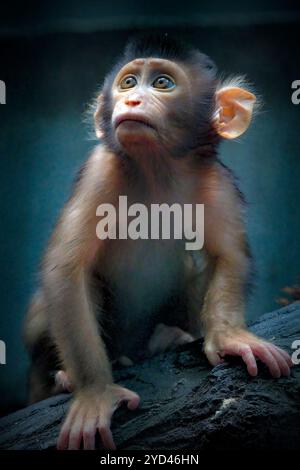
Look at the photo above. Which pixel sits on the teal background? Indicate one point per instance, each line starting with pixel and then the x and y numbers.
pixel 54 55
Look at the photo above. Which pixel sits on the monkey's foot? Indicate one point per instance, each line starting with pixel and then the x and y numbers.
pixel 167 337
pixel 123 361
pixel 62 382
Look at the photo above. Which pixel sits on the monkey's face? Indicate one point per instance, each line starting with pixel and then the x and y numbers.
pixel 152 106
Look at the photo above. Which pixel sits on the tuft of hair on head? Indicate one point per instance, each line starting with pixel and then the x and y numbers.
pixel 163 46
pixel 241 81
pixel 158 45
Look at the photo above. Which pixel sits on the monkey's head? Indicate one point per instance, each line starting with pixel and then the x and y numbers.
pixel 164 96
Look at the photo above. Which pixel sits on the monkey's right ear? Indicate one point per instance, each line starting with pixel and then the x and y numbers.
pixel 234 111
pixel 97 114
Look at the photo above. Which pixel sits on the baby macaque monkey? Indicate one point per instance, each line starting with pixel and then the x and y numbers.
pixel 160 116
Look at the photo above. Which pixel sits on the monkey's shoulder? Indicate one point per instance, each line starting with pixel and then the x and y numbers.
pixel 100 165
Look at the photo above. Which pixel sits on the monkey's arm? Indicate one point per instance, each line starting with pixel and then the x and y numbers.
pixel 223 317
pixel 73 325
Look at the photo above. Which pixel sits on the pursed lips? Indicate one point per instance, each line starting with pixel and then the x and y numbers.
pixel 133 118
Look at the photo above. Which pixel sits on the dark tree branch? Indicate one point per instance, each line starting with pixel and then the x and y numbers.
pixel 186 405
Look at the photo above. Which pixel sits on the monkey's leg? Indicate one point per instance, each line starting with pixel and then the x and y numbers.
pixel 39 388
pixel 42 377
pixel 124 361
pixel 44 359
pixel 167 337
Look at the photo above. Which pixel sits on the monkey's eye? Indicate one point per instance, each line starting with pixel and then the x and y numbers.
pixel 128 82
pixel 163 82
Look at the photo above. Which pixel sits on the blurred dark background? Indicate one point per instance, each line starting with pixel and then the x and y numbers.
pixel 54 55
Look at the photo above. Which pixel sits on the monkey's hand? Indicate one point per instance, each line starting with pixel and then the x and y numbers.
pixel 240 342
pixel 90 412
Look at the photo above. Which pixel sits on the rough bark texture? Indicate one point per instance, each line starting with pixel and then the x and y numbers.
pixel 186 405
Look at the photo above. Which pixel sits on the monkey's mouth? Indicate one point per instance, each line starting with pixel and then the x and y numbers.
pixel 133 118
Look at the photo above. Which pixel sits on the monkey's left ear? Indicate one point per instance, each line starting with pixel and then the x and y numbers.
pixel 234 111
pixel 97 114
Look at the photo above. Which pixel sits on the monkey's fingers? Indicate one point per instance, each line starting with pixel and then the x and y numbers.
pixel 277 360
pixel 104 424
pixel 123 395
pixel 63 439
pixel 282 362
pixel 116 396
pixel 285 355
pixel 75 435
pixel 89 433
pixel 245 351
pixel 132 399
pixel 213 356
pixel 80 427
pixel 262 352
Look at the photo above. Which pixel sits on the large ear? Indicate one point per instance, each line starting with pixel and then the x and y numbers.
pixel 97 115
pixel 234 111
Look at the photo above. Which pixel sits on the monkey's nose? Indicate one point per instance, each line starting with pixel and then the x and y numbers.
pixel 133 101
